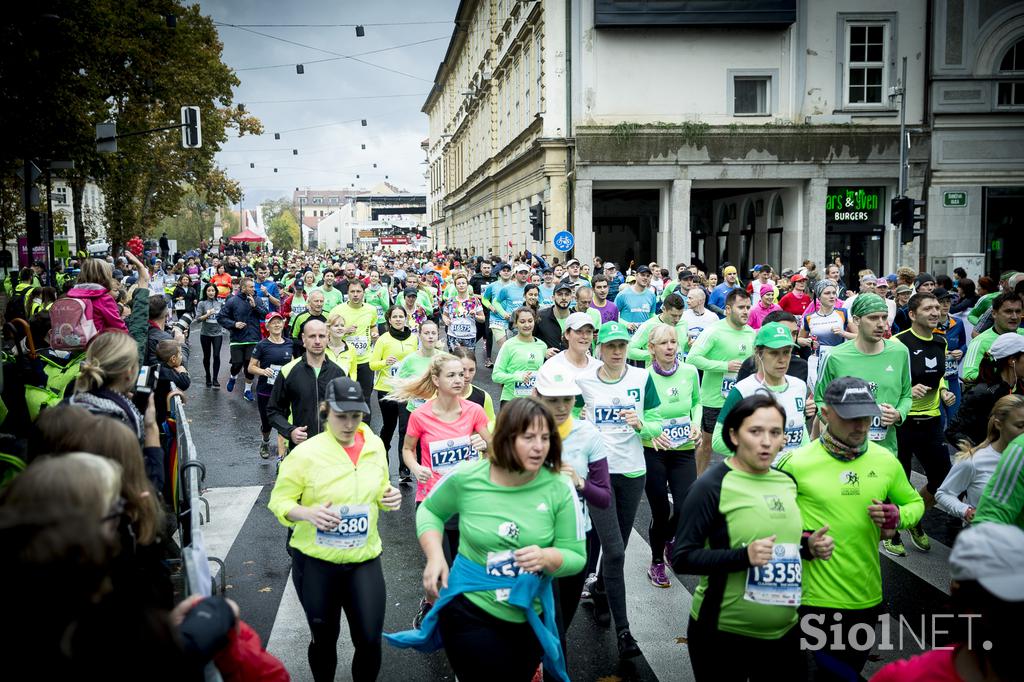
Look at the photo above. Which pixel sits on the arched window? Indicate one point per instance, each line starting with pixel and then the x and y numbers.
pixel 747 239
pixel 723 235
pixel 1011 93
pixel 775 224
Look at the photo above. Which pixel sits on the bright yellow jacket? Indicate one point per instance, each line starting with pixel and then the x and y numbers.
pixel 385 347
pixel 319 471
pixel 364 319
pixel 346 360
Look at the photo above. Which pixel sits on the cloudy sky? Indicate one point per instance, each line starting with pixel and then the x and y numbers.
pixel 327 102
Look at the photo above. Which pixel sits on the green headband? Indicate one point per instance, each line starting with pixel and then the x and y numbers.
pixel 867 304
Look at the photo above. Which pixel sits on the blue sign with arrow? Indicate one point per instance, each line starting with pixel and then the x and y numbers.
pixel 564 241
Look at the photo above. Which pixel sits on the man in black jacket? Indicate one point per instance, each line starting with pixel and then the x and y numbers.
pixel 550 325
pixel 480 279
pixel 300 387
pixel 241 316
pixel 157 331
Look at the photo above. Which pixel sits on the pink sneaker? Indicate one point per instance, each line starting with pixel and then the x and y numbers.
pixel 657 575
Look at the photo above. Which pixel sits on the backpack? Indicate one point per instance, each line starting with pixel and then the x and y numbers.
pixel 72 324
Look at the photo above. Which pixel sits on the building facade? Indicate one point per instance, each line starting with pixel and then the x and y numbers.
pixel 763 134
pixel 498 122
pixel 92 212
pixel 976 191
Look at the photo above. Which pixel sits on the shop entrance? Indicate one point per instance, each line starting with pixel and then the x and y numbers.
pixel 626 225
pixel 859 246
pixel 1004 207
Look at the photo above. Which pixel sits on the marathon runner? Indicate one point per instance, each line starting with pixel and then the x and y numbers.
pixel 669 456
pixel 885 362
pixel 1006 317
pixel 461 314
pixel 497 319
pixel 622 402
pixel 241 316
pixel 637 302
pixel 823 327
pixel 743 533
pixel 921 432
pixel 378 296
pixel 772 353
pixel 269 356
pixel 472 393
pixel 672 315
pixel 719 352
pixel 360 333
pixel 314 311
pixel 519 358
pixel 330 491
pixel 390 349
pixel 842 480
pixel 484 634
pixel 697 317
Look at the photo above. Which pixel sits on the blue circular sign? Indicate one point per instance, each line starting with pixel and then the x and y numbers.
pixel 564 241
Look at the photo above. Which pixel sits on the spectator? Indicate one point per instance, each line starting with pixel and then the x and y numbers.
pixel 968 297
pixel 158 313
pixel 172 375
pixel 766 304
pixel 1001 373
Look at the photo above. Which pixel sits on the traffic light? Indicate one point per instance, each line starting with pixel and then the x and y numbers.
pixel 907 212
pixel 191 128
pixel 537 222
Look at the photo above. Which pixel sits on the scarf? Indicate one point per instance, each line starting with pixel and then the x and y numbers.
pixel 839 449
pixel 665 372
pixel 399 335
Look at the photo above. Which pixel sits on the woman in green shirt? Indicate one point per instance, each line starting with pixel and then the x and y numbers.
pixel 670 456
pixel 519 358
pixel 742 532
pixel 486 630
pixel 377 295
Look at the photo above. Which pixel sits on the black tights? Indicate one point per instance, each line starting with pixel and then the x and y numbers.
pixel 391 415
pixel 482 647
pixel 211 347
pixel 673 470
pixel 325 589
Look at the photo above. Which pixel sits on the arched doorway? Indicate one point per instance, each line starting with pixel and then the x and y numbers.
pixel 747 239
pixel 775 222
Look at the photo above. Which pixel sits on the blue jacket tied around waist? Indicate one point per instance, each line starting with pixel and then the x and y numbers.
pixel 466 576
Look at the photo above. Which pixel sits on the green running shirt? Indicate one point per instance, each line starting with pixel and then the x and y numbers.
pixel 711 353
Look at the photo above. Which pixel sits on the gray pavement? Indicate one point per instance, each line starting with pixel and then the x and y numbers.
pixel 252 543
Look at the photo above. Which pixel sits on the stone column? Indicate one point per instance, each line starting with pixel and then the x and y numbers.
pixel 678 241
pixel 583 226
pixel 815 195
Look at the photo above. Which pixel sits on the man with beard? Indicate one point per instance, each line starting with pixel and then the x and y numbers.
pixel 550 327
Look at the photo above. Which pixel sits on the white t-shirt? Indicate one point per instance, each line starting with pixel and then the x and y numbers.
pixel 967 475
pixel 561 362
pixel 695 323
pixel 604 401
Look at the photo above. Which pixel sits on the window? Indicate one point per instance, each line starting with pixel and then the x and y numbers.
pixel 747 239
pixel 1011 93
pixel 517 122
pixel 538 62
pixel 866 44
pixel 723 235
pixel 751 96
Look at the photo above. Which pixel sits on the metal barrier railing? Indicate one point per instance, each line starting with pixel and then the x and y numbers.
pixel 191 473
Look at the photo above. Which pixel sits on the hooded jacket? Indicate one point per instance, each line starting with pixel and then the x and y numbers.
pixel 238 309
pixel 105 312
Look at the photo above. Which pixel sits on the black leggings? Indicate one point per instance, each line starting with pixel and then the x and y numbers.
pixel 211 348
pixel 240 356
pixel 717 655
pixel 835 660
pixel 261 405
pixel 391 415
pixel 364 375
pixel 673 470
pixel 482 647
pixel 567 599
pixel 922 436
pixel 325 589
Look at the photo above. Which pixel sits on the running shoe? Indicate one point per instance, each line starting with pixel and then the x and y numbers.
pixel 231 385
pixel 216 384
pixel 425 607
pixel 265 449
pixel 894 547
pixel 667 554
pixel 656 574
pixel 920 538
pixel 247 395
pixel 628 648
pixel 588 588
pixel 209 382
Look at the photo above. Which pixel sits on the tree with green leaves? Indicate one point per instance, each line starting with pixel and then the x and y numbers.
pixel 283 230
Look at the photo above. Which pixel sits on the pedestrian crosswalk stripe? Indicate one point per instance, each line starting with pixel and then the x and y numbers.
pixel 229 508
pixel 289 640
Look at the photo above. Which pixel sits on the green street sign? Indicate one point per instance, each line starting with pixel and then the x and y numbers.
pixel 954 199
pixel 61 249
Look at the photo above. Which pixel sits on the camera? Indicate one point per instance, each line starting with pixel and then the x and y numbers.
pixel 183 323
pixel 145 385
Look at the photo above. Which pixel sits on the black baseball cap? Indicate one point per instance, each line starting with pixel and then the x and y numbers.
pixel 685 274
pixel 345 395
pixel 411 291
pixel 851 398
pixel 642 269
pixel 563 285
pixel 940 293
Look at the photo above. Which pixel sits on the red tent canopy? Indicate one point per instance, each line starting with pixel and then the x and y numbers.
pixel 247 236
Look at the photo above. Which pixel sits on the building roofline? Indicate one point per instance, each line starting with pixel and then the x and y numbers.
pixel 462 14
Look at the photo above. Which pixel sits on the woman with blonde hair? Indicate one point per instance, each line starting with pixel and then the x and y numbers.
pixel 337 350
pixel 450 430
pixel 974 465
pixel 106 382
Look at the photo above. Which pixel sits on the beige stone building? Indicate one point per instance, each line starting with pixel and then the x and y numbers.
pixel 497 114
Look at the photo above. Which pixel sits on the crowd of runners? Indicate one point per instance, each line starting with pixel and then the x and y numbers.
pixel 771 419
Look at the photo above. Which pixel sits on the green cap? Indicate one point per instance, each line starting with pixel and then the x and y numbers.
pixel 774 335
pixel 613 331
pixel 865 304
pixel 1007 275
